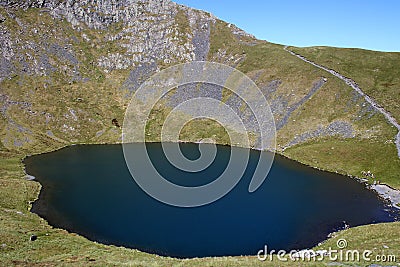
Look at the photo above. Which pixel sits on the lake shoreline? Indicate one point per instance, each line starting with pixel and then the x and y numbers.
pixel 389 195
pixel 384 191
pixel 117 147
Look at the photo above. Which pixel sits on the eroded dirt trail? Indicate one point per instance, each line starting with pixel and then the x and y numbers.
pixel 357 88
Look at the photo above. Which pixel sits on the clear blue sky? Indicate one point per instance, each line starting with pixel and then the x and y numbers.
pixel 368 24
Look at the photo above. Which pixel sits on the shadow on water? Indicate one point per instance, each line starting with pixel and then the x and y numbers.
pixel 88 190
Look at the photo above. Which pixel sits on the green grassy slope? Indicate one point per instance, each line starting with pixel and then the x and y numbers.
pixel 377 73
pixel 82 110
pixel 372 147
pixel 27 129
pixel 58 247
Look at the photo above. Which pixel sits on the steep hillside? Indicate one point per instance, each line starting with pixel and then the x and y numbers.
pixel 376 72
pixel 69 68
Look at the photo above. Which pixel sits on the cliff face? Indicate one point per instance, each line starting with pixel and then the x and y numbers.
pixel 136 32
pixel 76 43
pixel 50 48
pixel 68 69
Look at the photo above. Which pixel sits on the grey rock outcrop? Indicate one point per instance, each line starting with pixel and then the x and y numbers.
pixel 58 45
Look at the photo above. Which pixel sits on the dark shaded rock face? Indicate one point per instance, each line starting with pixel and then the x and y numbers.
pixel 115 123
pixel 33 238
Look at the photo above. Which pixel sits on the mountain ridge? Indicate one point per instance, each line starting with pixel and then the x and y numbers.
pixel 51 49
pixel 69 68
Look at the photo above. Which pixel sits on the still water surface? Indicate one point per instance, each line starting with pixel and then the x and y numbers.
pixel 88 190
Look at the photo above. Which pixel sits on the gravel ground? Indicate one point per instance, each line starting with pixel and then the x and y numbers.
pixel 138 75
pixel 193 90
pixel 339 128
pixel 388 193
pixel 282 122
pixel 201 40
pixel 270 88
